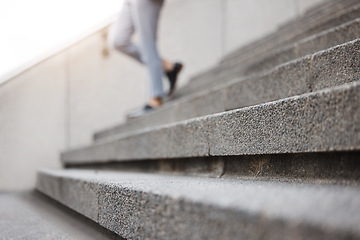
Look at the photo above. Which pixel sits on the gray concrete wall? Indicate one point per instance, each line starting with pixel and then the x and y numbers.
pixel 32 122
pixel 58 103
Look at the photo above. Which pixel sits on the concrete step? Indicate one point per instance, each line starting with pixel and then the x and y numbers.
pixel 294 33
pixel 147 206
pixel 335 66
pixel 326 120
pixel 31 215
pixel 256 51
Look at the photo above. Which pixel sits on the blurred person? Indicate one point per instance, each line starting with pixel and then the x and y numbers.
pixel 142 16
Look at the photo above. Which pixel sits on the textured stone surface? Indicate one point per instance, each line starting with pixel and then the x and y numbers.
pixel 284 81
pixel 31 215
pixel 169 207
pixel 188 139
pixel 207 102
pixel 323 121
pixel 320 168
pixel 338 167
pixel 327 120
pixel 270 59
pixel 79 196
pixel 336 66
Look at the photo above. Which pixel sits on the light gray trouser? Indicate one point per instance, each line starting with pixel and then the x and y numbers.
pixel 141 16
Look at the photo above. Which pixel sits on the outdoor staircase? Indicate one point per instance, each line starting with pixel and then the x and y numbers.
pixel 265 145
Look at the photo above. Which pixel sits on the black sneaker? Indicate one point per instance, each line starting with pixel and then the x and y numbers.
pixel 140 112
pixel 172 76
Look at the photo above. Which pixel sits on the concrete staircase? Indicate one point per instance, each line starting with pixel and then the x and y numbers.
pixel 265 145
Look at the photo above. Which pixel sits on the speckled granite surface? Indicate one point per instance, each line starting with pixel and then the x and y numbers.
pixel 148 206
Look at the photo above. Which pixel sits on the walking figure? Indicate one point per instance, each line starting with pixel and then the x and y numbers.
pixel 142 16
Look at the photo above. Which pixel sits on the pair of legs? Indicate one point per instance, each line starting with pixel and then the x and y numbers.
pixel 142 16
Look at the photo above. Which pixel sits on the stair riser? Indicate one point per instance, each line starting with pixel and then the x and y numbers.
pixel 326 69
pixel 315 168
pixel 187 140
pixel 193 221
pixel 320 122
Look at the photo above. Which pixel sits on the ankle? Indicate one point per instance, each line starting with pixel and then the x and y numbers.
pixel 167 66
pixel 156 102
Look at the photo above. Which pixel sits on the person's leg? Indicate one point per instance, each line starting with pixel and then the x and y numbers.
pixel 120 35
pixel 146 15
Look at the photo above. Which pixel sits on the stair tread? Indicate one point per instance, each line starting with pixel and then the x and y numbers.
pixel 328 207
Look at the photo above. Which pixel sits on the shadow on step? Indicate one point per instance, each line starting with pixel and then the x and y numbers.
pixel 320 168
pixel 30 214
pixel 88 228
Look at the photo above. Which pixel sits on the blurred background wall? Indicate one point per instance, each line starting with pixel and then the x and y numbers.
pixel 59 102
